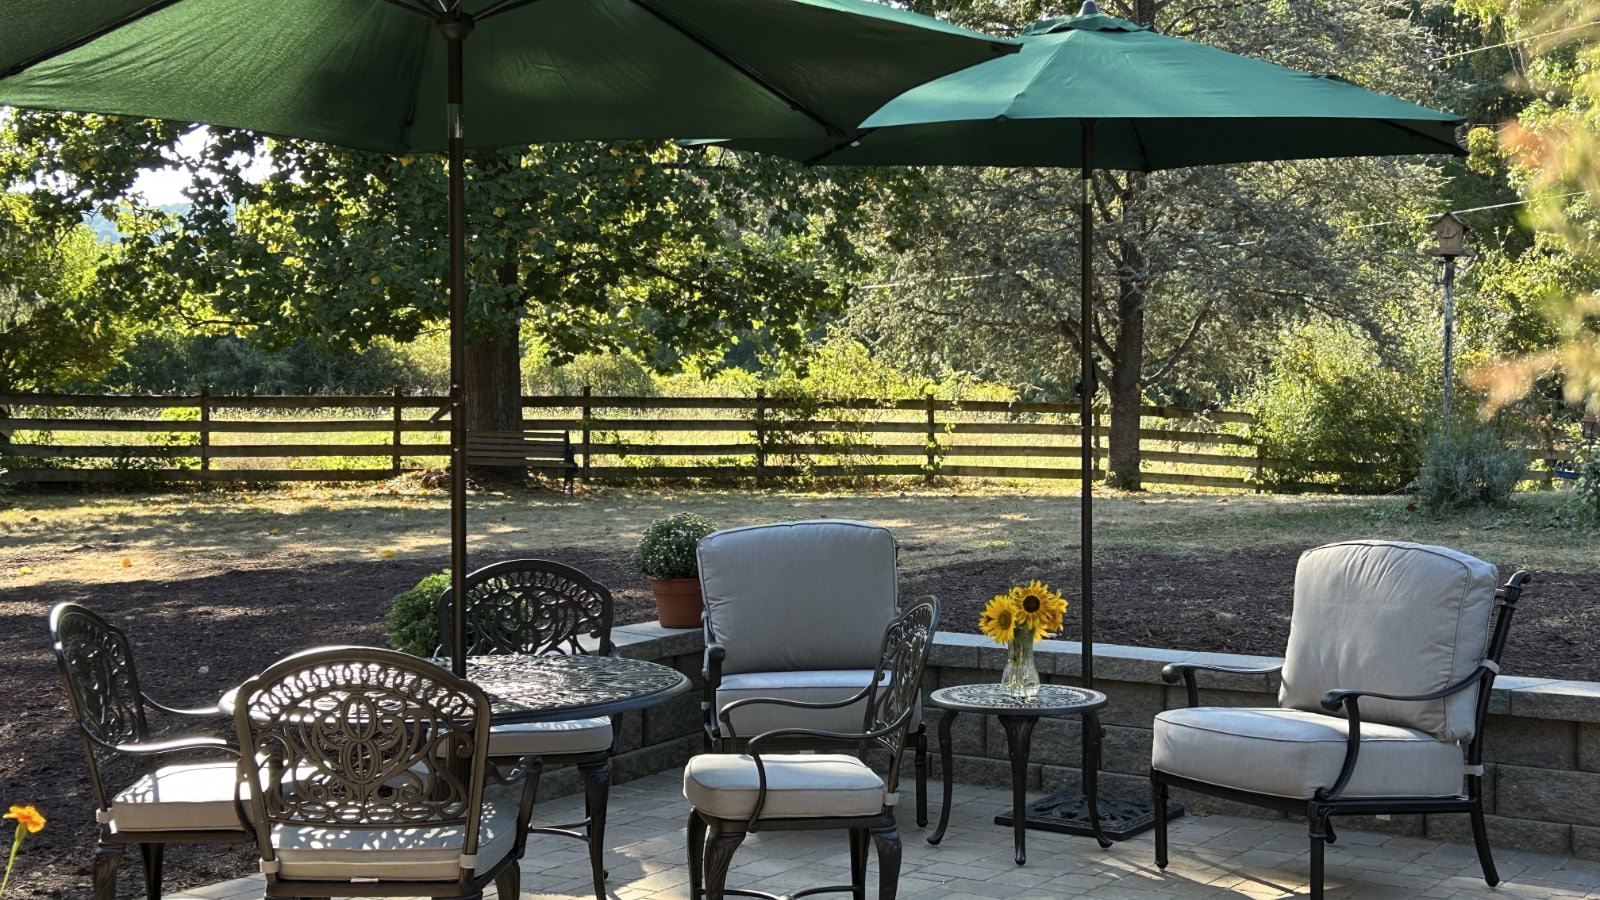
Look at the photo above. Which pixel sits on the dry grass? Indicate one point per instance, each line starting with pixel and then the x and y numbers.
pixel 180 535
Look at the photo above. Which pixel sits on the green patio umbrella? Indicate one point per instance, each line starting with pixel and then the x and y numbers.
pixel 1094 90
pixel 391 76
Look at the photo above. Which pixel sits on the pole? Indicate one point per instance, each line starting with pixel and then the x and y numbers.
pixel 1449 333
pixel 1086 395
pixel 455 29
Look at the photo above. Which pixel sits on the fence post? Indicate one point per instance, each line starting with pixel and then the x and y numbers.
pixel 761 437
pixel 588 410
pixel 399 416
pixel 205 428
pixel 933 437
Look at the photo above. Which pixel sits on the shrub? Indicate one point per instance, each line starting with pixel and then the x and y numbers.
pixel 667 549
pixel 1468 464
pixel 1585 500
pixel 414 615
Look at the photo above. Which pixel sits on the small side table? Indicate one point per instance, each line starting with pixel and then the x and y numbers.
pixel 1018 717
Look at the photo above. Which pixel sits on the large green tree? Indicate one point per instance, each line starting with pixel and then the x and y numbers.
pixel 667 253
pixel 1196 268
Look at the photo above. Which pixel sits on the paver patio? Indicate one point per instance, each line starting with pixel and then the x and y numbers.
pixel 1212 856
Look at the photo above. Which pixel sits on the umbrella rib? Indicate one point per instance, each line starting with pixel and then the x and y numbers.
pixel 741 68
pixel 417 8
pixel 837 147
pixel 89 38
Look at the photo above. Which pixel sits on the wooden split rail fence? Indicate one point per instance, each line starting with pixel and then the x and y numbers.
pixel 206 437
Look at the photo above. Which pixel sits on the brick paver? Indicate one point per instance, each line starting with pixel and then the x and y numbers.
pixel 1212 856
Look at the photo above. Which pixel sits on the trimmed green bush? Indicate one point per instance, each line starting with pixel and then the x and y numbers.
pixel 414 615
pixel 1585 501
pixel 1468 465
pixel 667 549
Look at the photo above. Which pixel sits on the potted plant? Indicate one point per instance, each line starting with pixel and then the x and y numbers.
pixel 666 556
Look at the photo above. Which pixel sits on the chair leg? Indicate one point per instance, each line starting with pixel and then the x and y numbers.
pixel 508 884
pixel 858 863
pixel 888 843
pixel 719 859
pixel 1319 839
pixel 151 854
pixel 922 776
pixel 1158 789
pixel 1480 839
pixel 596 791
pixel 106 859
pixel 696 833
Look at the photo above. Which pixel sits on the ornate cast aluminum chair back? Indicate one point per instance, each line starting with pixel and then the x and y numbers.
pixel 897 681
pixel 531 606
pixel 360 737
pixel 96 663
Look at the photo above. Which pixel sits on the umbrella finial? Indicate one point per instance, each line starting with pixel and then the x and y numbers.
pixel 1089 8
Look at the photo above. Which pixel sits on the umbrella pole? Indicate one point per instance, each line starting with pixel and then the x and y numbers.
pixel 1086 391
pixel 455 30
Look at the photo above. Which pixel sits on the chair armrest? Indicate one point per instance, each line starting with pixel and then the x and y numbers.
pixel 723 714
pixel 1339 698
pixel 172 745
pixel 199 712
pixel 753 749
pixel 1172 672
pixel 711 672
pixel 712 667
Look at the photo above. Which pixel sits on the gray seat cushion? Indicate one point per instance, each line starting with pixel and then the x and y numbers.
pixel 776 595
pixel 194 797
pixel 399 854
pixel 1292 753
pixel 551 738
pixel 807 686
pixel 799 786
pixel 1390 617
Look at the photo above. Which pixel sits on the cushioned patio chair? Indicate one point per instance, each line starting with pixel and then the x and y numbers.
pixel 760 790
pixel 193 802
pixel 372 779
pixel 534 606
pixel 1385 685
pixel 794 611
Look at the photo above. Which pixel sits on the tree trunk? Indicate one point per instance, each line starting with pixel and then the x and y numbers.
pixel 1127 370
pixel 494 376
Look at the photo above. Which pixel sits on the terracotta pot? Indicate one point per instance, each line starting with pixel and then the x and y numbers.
pixel 678 603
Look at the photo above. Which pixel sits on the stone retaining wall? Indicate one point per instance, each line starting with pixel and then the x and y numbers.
pixel 1542 753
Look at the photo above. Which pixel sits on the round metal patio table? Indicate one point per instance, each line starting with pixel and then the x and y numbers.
pixel 1018 716
pixel 553 688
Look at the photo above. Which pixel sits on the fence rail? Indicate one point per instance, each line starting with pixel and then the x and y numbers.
pixel 198 438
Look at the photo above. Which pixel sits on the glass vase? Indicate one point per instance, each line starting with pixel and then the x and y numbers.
pixel 1021 677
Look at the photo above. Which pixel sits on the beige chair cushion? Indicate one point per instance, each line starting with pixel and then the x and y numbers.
pixel 799 786
pixel 195 797
pixel 398 854
pixel 1291 753
pixel 1390 617
pixel 777 595
pixel 806 686
pixel 551 738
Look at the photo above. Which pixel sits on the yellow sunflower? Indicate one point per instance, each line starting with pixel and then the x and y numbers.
pixel 1039 608
pixel 999 619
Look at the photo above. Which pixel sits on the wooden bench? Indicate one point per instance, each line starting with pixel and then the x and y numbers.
pixel 523 450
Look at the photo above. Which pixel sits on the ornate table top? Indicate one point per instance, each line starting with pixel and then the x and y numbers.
pixel 1053 700
pixel 557 688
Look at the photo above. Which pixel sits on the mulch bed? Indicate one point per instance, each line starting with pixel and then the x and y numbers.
pixel 193 637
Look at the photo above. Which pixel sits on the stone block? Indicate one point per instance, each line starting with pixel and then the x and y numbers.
pixel 950 676
pixel 1505 834
pixel 1540 743
pixel 673 641
pixel 1589 747
pixel 676 718
pixel 557 782
pixel 1234 681
pixel 1586 842
pixel 1126 750
pixel 653 758
pixel 629 728
pixel 1547 795
pixel 983 771
pixel 1134 705
pixel 1108 784
pixel 956 650
pixel 1504 685
pixel 1115 662
pixel 1577 701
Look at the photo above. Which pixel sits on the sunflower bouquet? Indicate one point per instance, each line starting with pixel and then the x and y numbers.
pixel 1015 620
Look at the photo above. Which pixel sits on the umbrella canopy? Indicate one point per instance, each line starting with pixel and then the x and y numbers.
pixel 1095 90
pixel 394 75
pixel 1157 102
pixel 373 74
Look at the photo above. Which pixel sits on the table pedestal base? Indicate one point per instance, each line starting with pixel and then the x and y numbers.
pixel 1068 813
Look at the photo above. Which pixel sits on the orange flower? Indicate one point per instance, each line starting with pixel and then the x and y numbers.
pixel 26 817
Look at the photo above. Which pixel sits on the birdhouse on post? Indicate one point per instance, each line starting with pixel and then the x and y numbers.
pixel 1450 235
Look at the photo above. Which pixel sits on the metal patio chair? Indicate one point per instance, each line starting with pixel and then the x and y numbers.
pixel 1385 685
pixel 194 802
pixel 538 607
pixel 793 610
pixel 372 779
pixel 738 794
